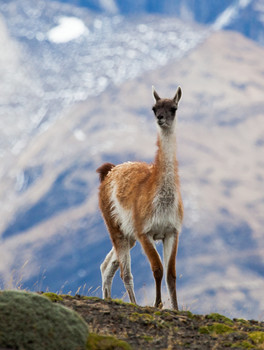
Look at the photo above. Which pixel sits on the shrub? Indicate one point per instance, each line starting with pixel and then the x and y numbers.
pixel 29 321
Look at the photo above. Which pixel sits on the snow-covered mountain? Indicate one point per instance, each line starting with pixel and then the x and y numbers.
pixel 71 99
pixel 244 16
pixel 67 54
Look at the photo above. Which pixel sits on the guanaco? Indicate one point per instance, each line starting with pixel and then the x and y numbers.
pixel 141 201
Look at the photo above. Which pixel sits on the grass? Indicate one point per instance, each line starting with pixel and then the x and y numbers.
pixel 220 318
pixel 53 296
pixel 147 338
pixel 216 329
pixel 244 345
pixel 257 337
pixel 102 342
pixel 144 317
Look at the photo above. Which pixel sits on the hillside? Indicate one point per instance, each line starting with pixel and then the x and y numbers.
pixel 150 328
pixel 41 321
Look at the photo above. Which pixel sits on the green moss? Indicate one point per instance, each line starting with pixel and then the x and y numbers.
pixel 220 318
pixel 241 320
pixel 204 330
pixel 257 337
pixel 168 316
pixel 216 328
pixel 53 297
pixel 135 316
pixel 190 315
pixel 244 345
pixel 90 298
pixel 149 319
pixel 119 301
pixel 157 313
pixel 32 322
pixel 100 342
pixel 67 296
pixel 147 338
pixel 132 304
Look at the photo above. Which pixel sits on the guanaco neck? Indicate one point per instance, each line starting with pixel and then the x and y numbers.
pixel 165 162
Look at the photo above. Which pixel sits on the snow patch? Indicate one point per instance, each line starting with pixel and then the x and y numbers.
pixel 244 3
pixel 79 135
pixel 69 28
pixel 230 13
pixel 109 6
pixel 225 18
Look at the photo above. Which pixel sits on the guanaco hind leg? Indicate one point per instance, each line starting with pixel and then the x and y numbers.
pixel 119 256
pixel 123 247
pixel 108 270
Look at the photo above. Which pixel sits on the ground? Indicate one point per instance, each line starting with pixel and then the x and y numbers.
pixel 151 328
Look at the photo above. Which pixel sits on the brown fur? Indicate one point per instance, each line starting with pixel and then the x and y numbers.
pixel 127 196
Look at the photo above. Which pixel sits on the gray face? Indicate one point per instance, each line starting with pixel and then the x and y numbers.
pixel 165 111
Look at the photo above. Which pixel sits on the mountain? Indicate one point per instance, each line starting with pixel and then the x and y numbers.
pixel 48 32
pixel 95 106
pixel 244 16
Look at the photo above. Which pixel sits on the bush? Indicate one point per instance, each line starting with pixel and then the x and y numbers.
pixel 29 321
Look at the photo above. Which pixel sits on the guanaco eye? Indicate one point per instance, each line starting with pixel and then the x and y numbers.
pixel 173 109
pixel 154 109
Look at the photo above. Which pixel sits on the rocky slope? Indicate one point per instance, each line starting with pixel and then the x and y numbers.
pixel 150 328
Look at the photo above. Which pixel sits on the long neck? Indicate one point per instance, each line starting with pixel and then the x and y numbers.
pixel 165 162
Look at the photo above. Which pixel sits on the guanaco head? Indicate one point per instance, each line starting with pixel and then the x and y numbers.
pixel 165 109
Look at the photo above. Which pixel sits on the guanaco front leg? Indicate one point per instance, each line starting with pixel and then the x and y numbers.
pixel 170 246
pixel 155 263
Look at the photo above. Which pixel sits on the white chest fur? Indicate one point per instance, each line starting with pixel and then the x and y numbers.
pixel 164 219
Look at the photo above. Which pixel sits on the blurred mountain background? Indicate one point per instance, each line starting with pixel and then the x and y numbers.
pixel 75 91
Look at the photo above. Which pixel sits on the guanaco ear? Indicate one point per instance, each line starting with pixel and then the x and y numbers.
pixel 178 95
pixel 155 95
